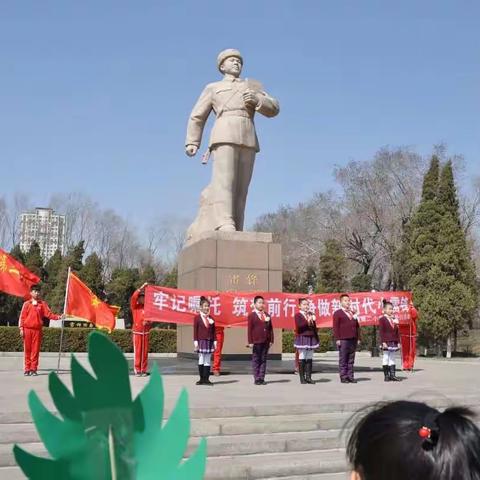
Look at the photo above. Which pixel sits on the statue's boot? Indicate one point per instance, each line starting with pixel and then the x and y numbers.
pixel 227 228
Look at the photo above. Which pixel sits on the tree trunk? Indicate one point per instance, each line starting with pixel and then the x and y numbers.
pixel 455 339
pixel 449 346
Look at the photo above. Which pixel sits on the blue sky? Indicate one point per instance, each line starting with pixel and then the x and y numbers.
pixel 95 95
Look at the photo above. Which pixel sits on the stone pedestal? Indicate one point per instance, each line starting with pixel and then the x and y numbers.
pixel 230 261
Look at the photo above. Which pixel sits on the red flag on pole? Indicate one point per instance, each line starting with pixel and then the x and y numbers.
pixel 15 278
pixel 81 302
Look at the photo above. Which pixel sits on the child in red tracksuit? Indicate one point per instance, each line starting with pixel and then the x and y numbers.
pixel 31 324
pixel 140 332
pixel 217 354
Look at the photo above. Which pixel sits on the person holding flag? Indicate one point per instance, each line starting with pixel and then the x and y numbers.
pixel 140 332
pixel 30 323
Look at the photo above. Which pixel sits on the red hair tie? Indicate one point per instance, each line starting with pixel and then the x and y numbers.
pixel 425 432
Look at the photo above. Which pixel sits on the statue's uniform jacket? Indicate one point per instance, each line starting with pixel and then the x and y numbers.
pixel 234 124
pixel 234 143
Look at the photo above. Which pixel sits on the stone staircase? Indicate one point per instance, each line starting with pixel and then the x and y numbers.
pixel 287 442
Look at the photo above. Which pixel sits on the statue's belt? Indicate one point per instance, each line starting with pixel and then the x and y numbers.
pixel 237 113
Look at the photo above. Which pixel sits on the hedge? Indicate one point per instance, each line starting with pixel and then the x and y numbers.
pixel 161 340
pixel 75 340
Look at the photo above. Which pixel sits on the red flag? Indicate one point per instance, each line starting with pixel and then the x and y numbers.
pixel 15 278
pixel 83 303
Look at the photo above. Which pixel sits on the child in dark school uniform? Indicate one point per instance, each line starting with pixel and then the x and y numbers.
pixel 260 339
pixel 306 340
pixel 204 340
pixel 389 338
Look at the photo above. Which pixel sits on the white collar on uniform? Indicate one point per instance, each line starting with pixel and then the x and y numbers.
pixel 207 317
pixel 259 314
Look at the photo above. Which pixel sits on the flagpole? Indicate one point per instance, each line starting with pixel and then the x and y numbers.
pixel 410 340
pixel 64 310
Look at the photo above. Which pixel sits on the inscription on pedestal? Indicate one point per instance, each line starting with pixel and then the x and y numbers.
pixel 233 261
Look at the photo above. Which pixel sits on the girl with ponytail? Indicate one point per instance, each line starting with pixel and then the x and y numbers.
pixel 406 440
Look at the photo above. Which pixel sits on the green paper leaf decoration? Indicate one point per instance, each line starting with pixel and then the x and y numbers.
pixel 39 468
pixel 194 467
pixel 101 434
pixel 64 401
pixel 69 436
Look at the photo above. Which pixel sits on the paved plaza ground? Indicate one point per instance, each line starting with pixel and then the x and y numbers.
pixel 447 378
pixel 439 381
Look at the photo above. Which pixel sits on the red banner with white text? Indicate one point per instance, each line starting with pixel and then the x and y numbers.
pixel 230 309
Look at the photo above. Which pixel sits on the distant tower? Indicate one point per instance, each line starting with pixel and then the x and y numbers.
pixel 46 228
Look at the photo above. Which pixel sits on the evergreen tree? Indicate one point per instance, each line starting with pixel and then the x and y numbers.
pixel 362 282
pixel 92 274
pixel 422 260
pixel 289 282
pixel 73 259
pixel 170 279
pixel 123 283
pixel 440 270
pixel 458 270
pixel 17 253
pixel 34 260
pixel 52 267
pixel 332 275
pixel 447 192
pixel 308 281
pixel 400 260
pixel 148 275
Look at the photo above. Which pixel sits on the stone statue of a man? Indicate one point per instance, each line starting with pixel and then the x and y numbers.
pixel 233 143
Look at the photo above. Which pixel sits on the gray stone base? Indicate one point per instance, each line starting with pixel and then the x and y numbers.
pixel 232 262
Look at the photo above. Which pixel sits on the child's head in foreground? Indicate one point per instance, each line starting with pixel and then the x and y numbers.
pixel 411 441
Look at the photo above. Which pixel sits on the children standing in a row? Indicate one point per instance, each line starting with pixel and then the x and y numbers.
pixel 306 340
pixel 260 339
pixel 204 340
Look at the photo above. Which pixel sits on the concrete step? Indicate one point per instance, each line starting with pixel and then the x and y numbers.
pixel 274 410
pixel 320 476
pixel 11 473
pixel 26 432
pixel 228 445
pixel 238 445
pixel 282 465
pixel 14 473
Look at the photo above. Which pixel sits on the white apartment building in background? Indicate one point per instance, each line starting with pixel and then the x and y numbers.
pixel 46 228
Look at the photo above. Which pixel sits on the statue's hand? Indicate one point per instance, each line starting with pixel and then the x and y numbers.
pixel 251 98
pixel 191 150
